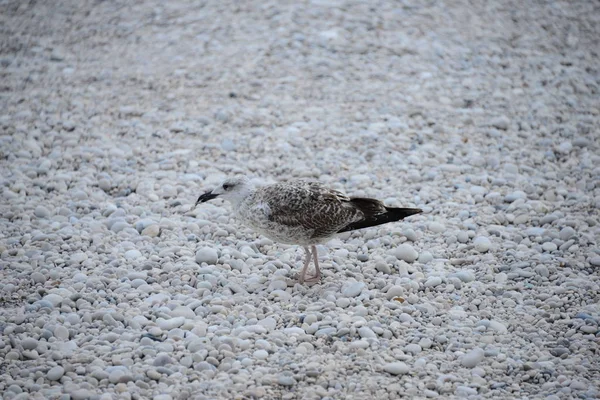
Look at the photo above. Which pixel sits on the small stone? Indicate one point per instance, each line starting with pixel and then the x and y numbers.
pixel 29 343
pixel 366 333
pixel 473 357
pixel 54 299
pixel 394 291
pixel 183 311
pixel 482 244
pixel 462 237
pixel 286 380
pixel 498 326
pixel 268 323
pixel 133 254
pixel 353 289
pixel 465 276
pixel 566 233
pixel 412 348
pixel 38 277
pixel 118 226
pixel 433 281
pixel 406 252
pixel 261 354
pixel 410 234
pixel 82 394
pixel 514 196
pixel 207 255
pixel 436 227
pixel 542 270
pixel 104 184
pixel 559 351
pixel 564 147
pixel 595 261
pixel 55 373
pixel 502 122
pixel 62 333
pixel 549 247
pixel 425 257
pixel 383 267
pixel 171 323
pixel 162 359
pixel 396 368
pixel 151 231
pixel 42 212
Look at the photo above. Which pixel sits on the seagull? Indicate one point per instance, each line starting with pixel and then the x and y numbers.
pixel 302 213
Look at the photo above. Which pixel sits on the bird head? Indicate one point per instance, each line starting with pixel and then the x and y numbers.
pixel 234 189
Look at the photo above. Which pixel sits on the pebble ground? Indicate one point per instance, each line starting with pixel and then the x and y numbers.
pixel 116 115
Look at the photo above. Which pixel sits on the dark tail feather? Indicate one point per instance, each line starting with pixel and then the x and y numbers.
pixel 377 214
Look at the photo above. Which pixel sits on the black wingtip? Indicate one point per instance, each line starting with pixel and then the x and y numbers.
pixel 391 214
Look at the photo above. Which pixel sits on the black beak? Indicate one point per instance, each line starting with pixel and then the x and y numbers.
pixel 206 197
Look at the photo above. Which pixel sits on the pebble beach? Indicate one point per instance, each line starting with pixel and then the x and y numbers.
pixel 116 115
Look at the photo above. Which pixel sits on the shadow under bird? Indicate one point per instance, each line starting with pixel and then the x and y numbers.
pixel 302 213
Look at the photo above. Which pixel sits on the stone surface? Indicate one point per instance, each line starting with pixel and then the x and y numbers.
pixel 116 116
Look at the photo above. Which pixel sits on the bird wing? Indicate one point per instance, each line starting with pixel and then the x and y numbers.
pixel 310 206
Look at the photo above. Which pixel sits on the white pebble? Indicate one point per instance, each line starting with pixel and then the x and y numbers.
pixel 549 247
pixel 433 281
pixel 151 231
pixel 53 298
pixel 394 291
pixel 55 373
pixel 133 254
pixel 396 368
pixel 171 323
pixel 482 244
pixel 42 212
pixel 436 227
pixel 183 311
pixel 207 255
pixel 261 354
pixel 366 333
pixel 518 194
pixel 567 233
pixel 406 252
pixel 473 357
pixel 412 348
pixel 353 289
pixel 498 326
pixel 62 333
pixel 462 237
pixel 425 257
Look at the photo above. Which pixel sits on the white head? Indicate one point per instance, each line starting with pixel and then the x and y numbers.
pixel 234 189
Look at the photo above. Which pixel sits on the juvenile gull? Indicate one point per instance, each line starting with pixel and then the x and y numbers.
pixel 302 213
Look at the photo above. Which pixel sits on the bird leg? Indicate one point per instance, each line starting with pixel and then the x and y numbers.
pixel 317 276
pixel 305 268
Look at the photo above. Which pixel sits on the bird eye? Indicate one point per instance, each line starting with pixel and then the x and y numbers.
pixel 226 186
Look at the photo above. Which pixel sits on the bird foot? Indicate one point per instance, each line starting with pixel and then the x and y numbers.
pixel 313 279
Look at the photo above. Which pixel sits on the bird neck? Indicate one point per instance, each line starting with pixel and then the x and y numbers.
pixel 242 197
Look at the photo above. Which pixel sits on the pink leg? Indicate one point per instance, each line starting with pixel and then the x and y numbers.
pixel 317 276
pixel 305 268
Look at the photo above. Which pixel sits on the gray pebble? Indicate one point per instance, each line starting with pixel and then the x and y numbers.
pixel 55 373
pixel 595 261
pixel 473 357
pixel 207 255
pixel 406 253
pixel 286 380
pixel 353 289
pixel 42 212
pixel 482 244
pixel 396 368
pixel 502 122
